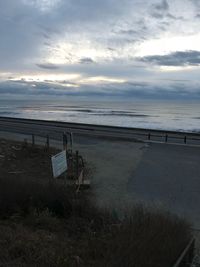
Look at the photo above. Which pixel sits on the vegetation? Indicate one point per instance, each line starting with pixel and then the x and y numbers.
pixel 48 224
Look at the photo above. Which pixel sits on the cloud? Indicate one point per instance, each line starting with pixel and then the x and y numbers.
pixel 48 66
pixel 162 6
pixel 172 17
pixel 129 32
pixel 186 58
pixel 129 89
pixel 86 60
pixel 160 10
pixel 32 31
pixel 196 3
pixel 93 38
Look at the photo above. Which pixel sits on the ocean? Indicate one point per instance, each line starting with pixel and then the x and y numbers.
pixel 167 115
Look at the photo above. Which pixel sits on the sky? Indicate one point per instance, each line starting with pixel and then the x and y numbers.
pixel 111 48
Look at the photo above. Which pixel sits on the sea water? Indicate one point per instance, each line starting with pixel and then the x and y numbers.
pixel 157 114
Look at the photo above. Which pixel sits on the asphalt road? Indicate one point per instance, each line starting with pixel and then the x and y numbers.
pixel 169 176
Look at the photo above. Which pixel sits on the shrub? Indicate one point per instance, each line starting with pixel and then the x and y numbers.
pixel 22 196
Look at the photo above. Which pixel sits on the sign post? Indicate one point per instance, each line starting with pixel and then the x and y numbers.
pixel 65 141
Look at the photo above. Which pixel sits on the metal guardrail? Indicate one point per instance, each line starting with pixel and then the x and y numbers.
pixel 186 257
pixel 55 127
pixel 65 138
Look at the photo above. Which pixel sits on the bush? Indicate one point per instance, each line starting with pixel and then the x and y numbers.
pixel 22 196
pixel 144 238
pixel 80 234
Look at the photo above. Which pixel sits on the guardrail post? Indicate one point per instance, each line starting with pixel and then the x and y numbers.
pixel 47 141
pixel 166 138
pixel 77 164
pixel 71 140
pixel 65 141
pixel 25 142
pixel 33 139
pixel 185 139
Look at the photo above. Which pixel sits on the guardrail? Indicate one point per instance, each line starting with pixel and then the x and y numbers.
pixel 56 128
pixel 34 139
pixel 65 139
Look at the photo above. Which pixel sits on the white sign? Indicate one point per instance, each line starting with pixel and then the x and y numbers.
pixel 59 163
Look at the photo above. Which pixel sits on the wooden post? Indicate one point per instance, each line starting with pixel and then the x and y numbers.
pixel 185 139
pixel 77 164
pixel 47 141
pixel 25 142
pixel 149 136
pixel 33 139
pixel 166 138
pixel 64 141
pixel 71 140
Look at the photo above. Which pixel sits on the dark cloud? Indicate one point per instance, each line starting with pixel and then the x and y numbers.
pixel 129 32
pixel 186 58
pixel 86 60
pixel 196 3
pixel 46 36
pixel 157 15
pixel 172 17
pixel 144 90
pixel 162 6
pixel 48 66
pixel 160 10
pixel 111 49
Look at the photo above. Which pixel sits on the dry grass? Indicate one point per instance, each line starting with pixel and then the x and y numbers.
pixel 45 225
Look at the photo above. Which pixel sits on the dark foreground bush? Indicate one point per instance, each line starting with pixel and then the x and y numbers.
pixel 49 225
pixel 23 196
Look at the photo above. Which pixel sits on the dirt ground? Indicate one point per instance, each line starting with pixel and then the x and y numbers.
pixel 112 163
pixel 20 160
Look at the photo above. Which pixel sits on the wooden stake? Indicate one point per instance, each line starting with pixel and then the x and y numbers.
pixel 33 139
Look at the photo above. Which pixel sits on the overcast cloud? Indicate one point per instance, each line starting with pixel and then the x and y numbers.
pixel 146 49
